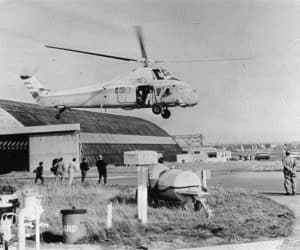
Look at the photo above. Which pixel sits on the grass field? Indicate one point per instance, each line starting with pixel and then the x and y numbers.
pixel 239 216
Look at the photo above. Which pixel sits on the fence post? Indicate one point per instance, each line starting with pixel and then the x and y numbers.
pixel 21 229
pixel 37 227
pixel 203 180
pixel 142 194
pixel 109 215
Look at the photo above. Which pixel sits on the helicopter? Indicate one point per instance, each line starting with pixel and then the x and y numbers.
pixel 147 87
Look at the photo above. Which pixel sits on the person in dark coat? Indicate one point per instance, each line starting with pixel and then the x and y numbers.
pixel 53 169
pixel 102 171
pixel 60 171
pixel 39 173
pixel 84 167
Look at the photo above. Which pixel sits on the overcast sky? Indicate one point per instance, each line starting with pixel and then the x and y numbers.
pixel 241 101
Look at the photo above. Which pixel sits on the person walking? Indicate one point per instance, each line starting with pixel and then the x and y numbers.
pixel 84 167
pixel 289 172
pixel 102 171
pixel 71 170
pixel 53 169
pixel 60 169
pixel 39 173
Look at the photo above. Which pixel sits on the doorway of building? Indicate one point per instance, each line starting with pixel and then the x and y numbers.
pixel 14 153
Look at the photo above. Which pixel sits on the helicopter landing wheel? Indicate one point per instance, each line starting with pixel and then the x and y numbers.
pixel 156 109
pixel 60 111
pixel 166 114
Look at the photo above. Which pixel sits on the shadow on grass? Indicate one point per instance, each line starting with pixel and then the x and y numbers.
pixel 130 199
pixel 274 194
pixel 123 199
pixel 50 237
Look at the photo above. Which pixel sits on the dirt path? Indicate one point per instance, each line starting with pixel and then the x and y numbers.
pixel 293 202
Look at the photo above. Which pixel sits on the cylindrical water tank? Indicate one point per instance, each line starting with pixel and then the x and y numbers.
pixel 172 184
pixel 32 201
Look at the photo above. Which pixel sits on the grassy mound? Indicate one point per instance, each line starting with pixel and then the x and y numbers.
pixel 239 216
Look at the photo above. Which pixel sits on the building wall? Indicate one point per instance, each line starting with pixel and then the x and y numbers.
pixel 46 147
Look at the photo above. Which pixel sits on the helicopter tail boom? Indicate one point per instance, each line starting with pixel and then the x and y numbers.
pixel 34 87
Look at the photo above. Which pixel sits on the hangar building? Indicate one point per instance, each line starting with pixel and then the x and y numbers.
pixel 30 133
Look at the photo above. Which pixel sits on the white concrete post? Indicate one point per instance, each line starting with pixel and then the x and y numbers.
pixel 21 229
pixel 203 180
pixel 109 215
pixel 37 227
pixel 142 194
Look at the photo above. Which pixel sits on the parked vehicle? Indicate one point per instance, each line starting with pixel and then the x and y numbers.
pixel 262 156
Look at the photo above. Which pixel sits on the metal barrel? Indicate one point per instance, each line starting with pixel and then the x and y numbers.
pixel 74 226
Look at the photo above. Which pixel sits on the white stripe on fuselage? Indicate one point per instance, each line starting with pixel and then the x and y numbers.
pixel 114 84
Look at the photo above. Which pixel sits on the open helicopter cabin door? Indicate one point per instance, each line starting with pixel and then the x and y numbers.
pixel 126 95
pixel 142 92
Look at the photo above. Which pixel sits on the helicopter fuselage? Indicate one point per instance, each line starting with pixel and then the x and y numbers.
pixel 141 88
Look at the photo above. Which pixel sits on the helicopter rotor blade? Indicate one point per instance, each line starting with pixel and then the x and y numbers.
pixel 139 34
pixel 207 60
pixel 93 54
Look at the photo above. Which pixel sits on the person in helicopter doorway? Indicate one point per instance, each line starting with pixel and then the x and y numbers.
pixel 149 98
pixel 289 172
pixel 139 97
pixel 154 175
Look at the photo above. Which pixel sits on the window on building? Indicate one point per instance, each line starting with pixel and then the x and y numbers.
pixel 212 154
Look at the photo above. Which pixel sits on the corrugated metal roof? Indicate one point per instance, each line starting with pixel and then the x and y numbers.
pixel 93 122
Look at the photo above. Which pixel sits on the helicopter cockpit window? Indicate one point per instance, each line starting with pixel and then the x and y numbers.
pixel 165 72
pixel 158 74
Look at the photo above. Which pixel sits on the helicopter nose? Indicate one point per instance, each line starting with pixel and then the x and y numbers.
pixel 188 97
pixel 195 96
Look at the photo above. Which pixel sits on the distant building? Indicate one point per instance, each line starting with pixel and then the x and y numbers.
pixel 206 154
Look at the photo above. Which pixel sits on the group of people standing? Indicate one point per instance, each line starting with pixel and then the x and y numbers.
pixel 59 170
